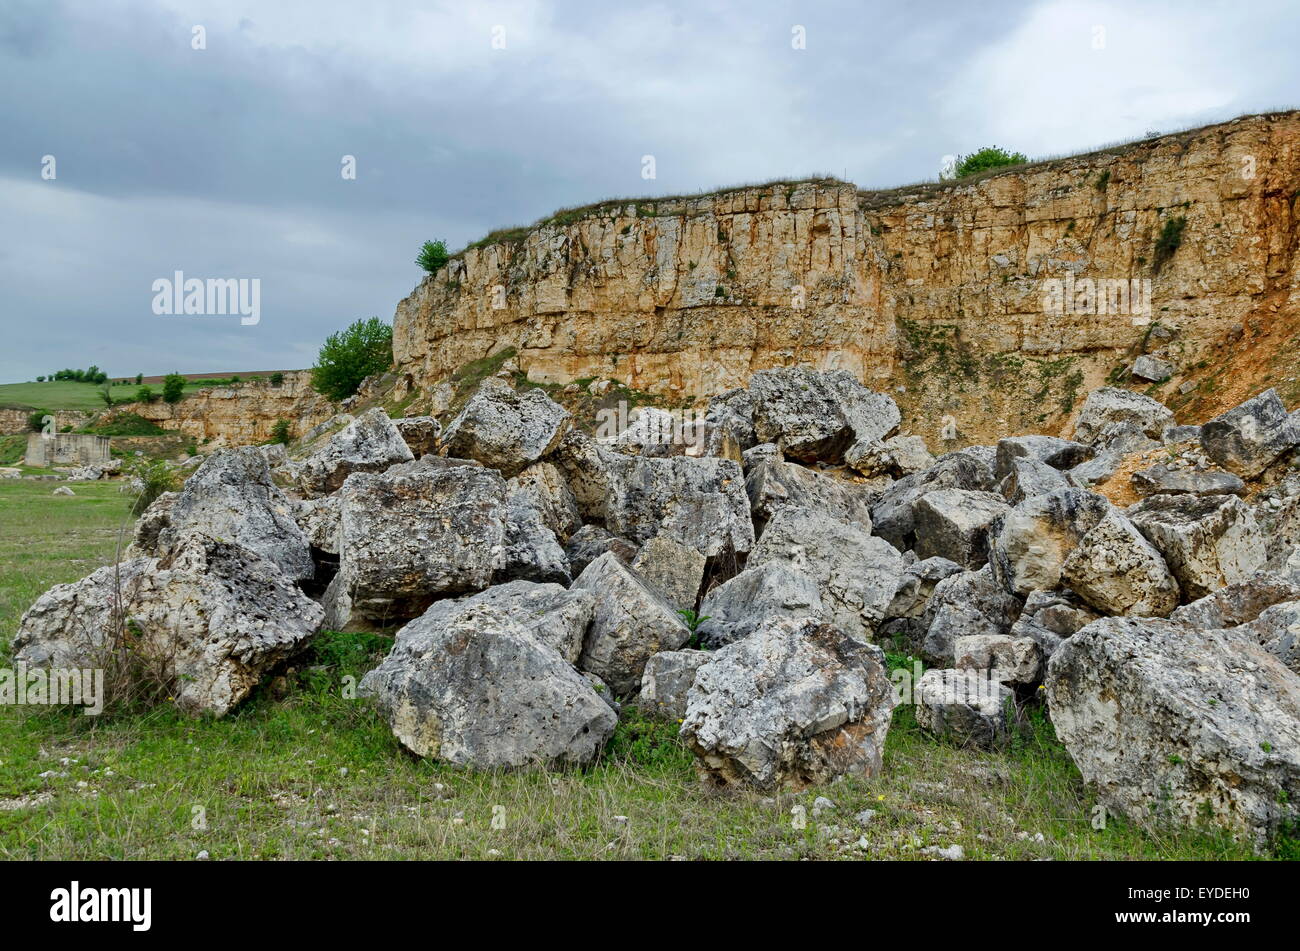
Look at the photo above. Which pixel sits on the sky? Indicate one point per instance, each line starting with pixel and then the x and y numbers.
pixel 139 138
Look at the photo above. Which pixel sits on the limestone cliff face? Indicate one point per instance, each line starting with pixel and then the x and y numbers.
pixel 243 414
pixel 941 294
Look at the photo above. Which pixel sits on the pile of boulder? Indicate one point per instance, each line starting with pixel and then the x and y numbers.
pixel 538 578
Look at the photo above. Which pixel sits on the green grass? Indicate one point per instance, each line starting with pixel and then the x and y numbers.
pixel 300 772
pixel 68 395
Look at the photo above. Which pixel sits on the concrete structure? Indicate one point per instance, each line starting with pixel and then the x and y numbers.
pixel 67 449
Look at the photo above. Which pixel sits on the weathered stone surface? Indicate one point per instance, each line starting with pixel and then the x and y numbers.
pixel 544 486
pixel 1248 438
pixel 631 622
pixel 795 703
pixel 584 464
pixel 964 605
pixel 555 616
pixel 668 677
pixel 1130 699
pixel 731 415
pixel 590 542
pixel 1117 571
pixel 369 443
pixel 814 416
pixel 896 456
pixel 917 585
pixel 1050 617
pixel 231 497
pixel 856 573
pixel 1049 450
pixel 1208 541
pixel 1277 630
pixel 1162 480
pixel 966 706
pixel 1177 435
pixel 1008 660
pixel 672 569
pixel 772 484
pixel 700 502
pixel 891 516
pixel 151 523
pixel 504 429
pixel 1107 406
pixel 420 433
pixel 412 535
pixel 209 619
pixel 1030 546
pixel 1151 369
pixel 737 607
pixel 475 688
pixel 1238 603
pixel 1029 477
pixel 532 551
pixel 954 524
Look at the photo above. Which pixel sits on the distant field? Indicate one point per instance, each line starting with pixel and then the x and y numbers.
pixel 63 394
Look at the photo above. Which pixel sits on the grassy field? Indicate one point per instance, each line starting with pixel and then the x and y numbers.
pixel 65 394
pixel 300 772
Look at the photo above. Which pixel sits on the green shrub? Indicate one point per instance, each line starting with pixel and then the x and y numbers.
pixel 145 395
pixel 280 432
pixel 351 355
pixel 36 421
pixel 277 378
pixel 1171 236
pixel 433 255
pixel 154 477
pixel 125 424
pixel 987 158
pixel 173 387
pixel 139 379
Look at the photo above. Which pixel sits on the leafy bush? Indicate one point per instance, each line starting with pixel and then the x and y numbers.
pixel 277 378
pixel 280 432
pixel 151 478
pixel 433 255
pixel 1171 236
pixel 36 421
pixel 145 395
pixel 351 355
pixel 987 158
pixel 173 387
pixel 139 379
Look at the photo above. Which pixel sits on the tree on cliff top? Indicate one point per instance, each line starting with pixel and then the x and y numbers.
pixel 351 355
pixel 433 255
pixel 173 388
pixel 985 159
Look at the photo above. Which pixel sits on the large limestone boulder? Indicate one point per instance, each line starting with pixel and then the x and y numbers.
pixel 954 524
pixel 1049 617
pixel 896 456
pixel 668 678
pixel 1027 477
pixel 1238 603
pixel 1117 571
pixel 697 502
pixel 412 535
pixel 532 552
pixel 545 487
pixel 968 707
pixel 231 496
pixel 505 429
pixel 1249 438
pixel 150 524
pixel 795 703
pixel 965 605
pixel 631 622
pixel 737 607
pixel 730 417
pixel 1161 479
pixel 206 622
pixel 1029 546
pixel 773 484
pixel 814 416
pixel 474 687
pixel 672 569
pixel 856 573
pixel 590 542
pixel 892 515
pixel 1173 724
pixel 1108 406
pixel 1208 541
pixel 1049 450
pixel 584 465
pixel 369 443
pixel 319 521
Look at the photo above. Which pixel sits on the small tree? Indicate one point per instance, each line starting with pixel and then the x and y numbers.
pixel 277 378
pixel 280 432
pixel 144 394
pixel 173 387
pixel 985 159
pixel 139 379
pixel 106 393
pixel 433 255
pixel 351 355
pixel 40 379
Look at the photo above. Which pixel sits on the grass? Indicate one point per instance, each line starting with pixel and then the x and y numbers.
pixel 68 395
pixel 301 772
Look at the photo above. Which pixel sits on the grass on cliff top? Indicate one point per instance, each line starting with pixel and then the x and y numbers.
pixel 70 395
pixel 299 772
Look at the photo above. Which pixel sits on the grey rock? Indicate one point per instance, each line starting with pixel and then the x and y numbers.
pixel 1117 571
pixel 965 706
pixel 584 464
pixel 954 524
pixel 319 521
pixel 1031 544
pixel 420 433
pixel 545 487
pixel 590 542
pixel 772 484
pixel 1238 603
pixel 369 443
pixel 917 586
pixel 630 624
pixel 1277 630
pixel 555 616
pixel 1177 435
pixel 668 677
pixel 1249 438
pixel 739 606
pixel 532 552
pixel 476 688
pixel 891 516
pixel 1171 724
pixel 1050 450
pixel 896 456
pixel 673 570
pixel 761 453
pixel 1029 477
pixel 1007 659
pixel 731 414
pixel 1108 405
pixel 151 523
pixel 965 605
pixel 1151 369
pixel 794 704
pixel 815 416
pixel 506 430
pixel 1161 479
pixel 1208 541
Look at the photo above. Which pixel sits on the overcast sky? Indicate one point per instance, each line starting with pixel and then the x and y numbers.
pixel 225 162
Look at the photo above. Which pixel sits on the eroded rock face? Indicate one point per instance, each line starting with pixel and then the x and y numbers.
pixel 773 484
pixel 892 515
pixel 208 621
pixel 1238 603
pixel 964 605
pixel 1117 571
pixel 856 573
pixel 954 524
pixel 504 429
pixel 896 456
pixel 1028 477
pixel 590 542
pixel 795 703
pixel 1161 480
pixel 1130 699
pixel 630 624
pixel 532 551
pixel 738 607
pixel 672 569
pixel 1029 547
pixel 1207 541
pixel 231 497
pixel 151 523
pixel 668 677
pixel 369 443
pixel 814 416
pixel 1108 406
pixel 420 433
pixel 1249 438
pixel 545 487
pixel 1049 450
pixel 474 687
pixel 412 535
pixel 965 706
